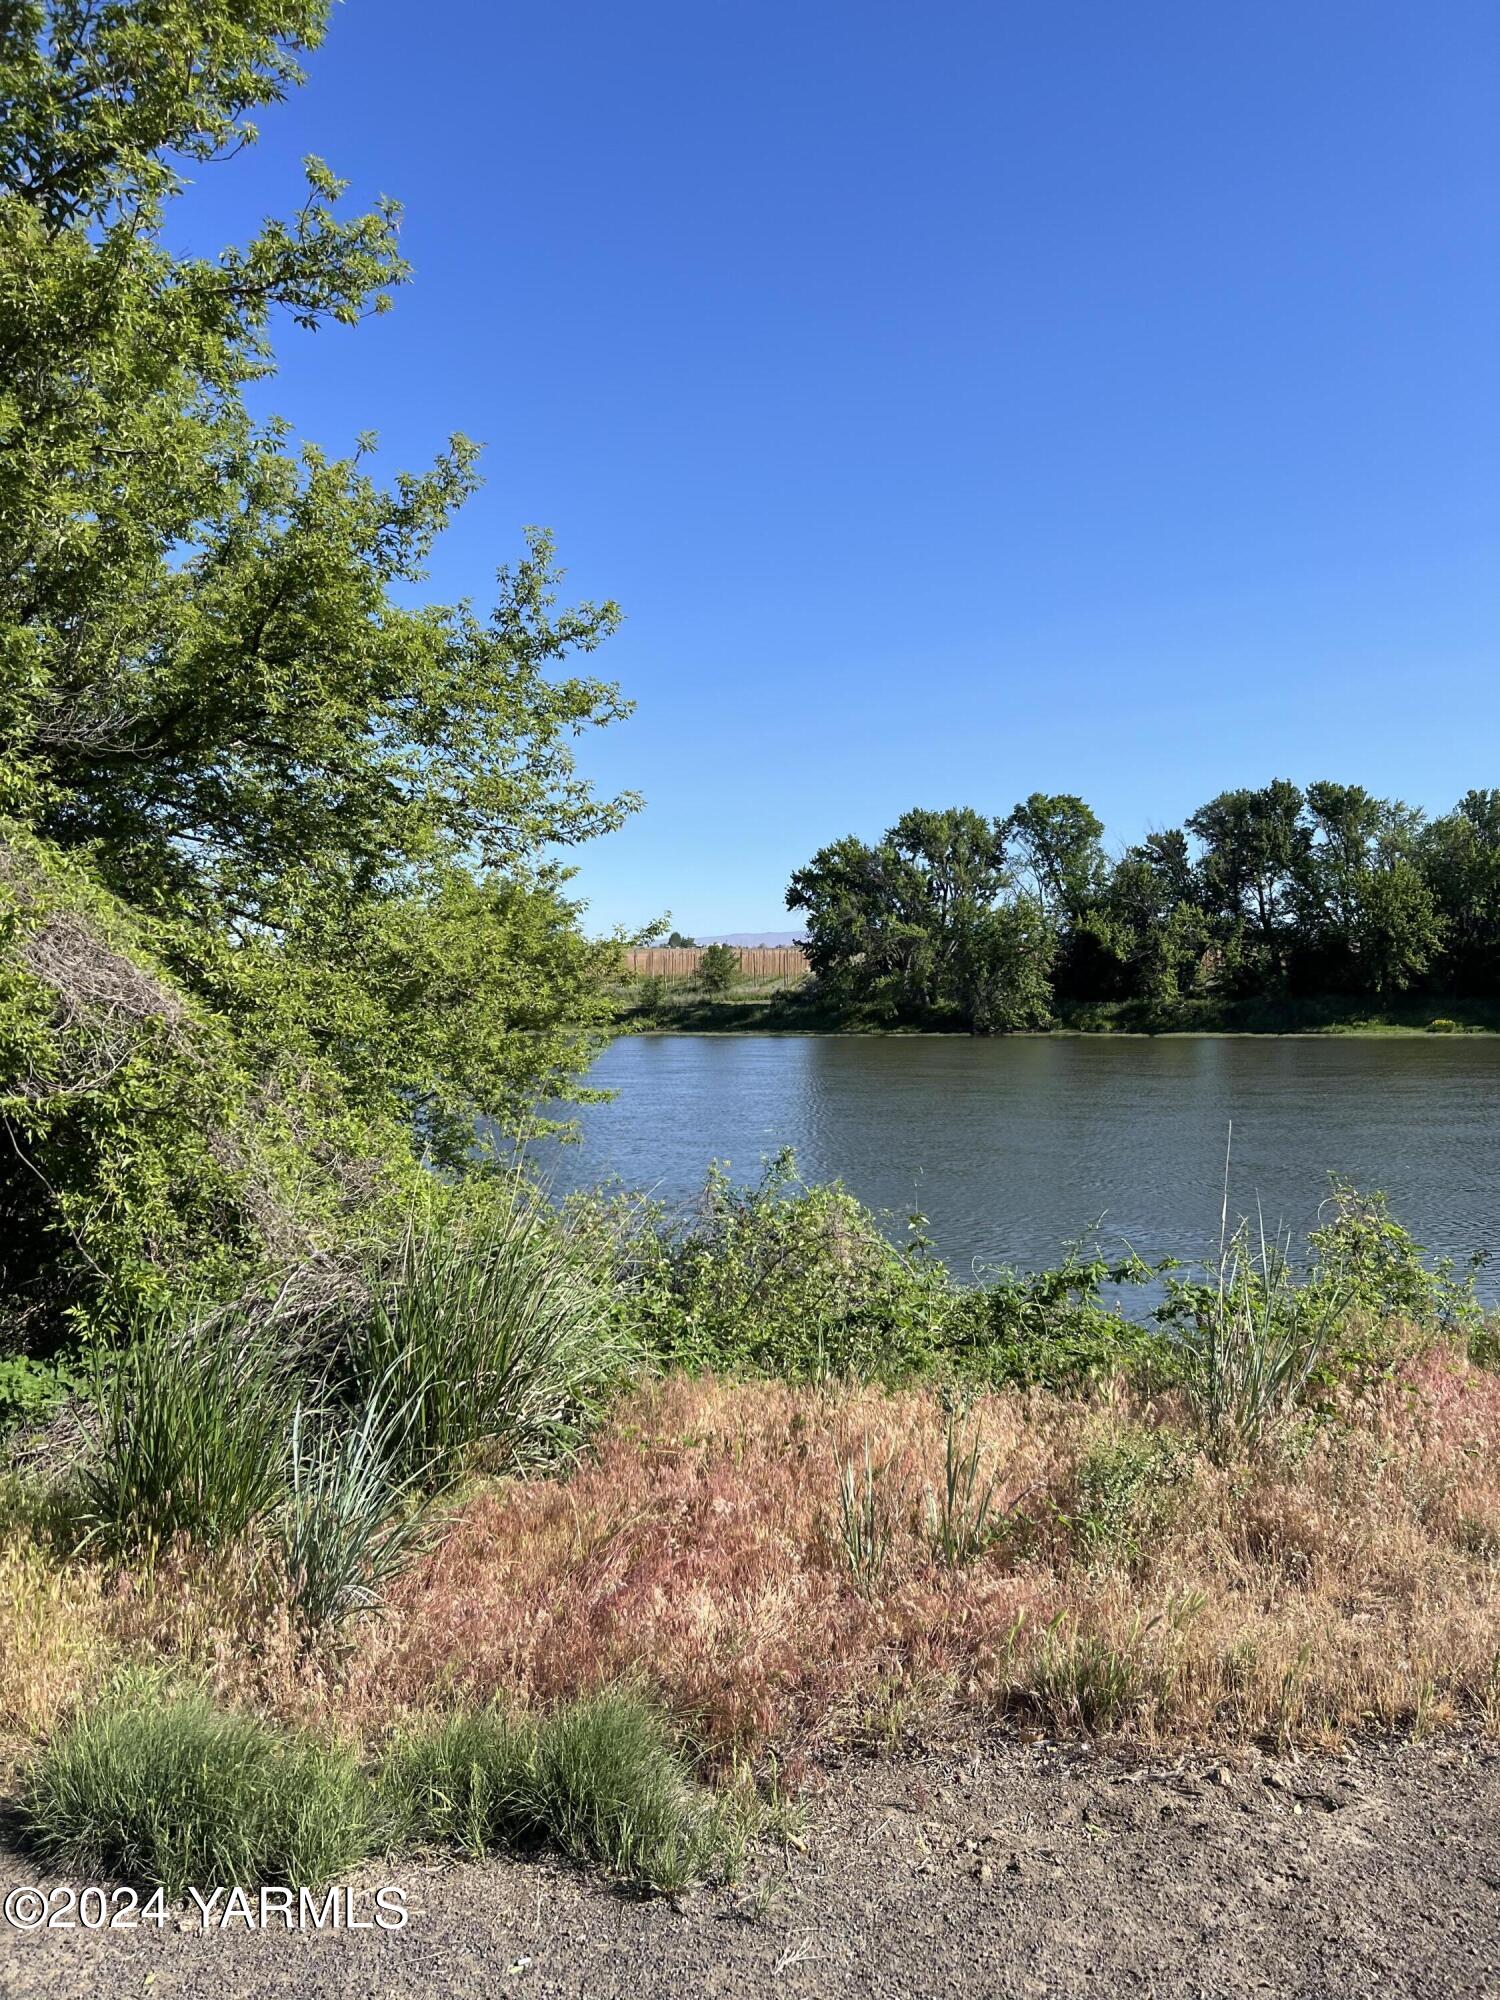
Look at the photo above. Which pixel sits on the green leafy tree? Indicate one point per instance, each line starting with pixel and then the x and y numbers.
pixel 1152 920
pixel 1254 845
pixel 925 924
pixel 1367 921
pixel 1397 930
pixel 1058 841
pixel 326 815
pixel 1459 856
pixel 718 968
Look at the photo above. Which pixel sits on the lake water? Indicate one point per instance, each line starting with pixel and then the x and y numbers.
pixel 1011 1148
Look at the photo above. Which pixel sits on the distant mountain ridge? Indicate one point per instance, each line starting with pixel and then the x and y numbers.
pixel 749 939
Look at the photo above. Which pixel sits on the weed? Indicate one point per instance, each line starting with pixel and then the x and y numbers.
pixel 1123 1492
pixel 864 1526
pixel 1251 1341
pixel 962 1519
pixel 610 1789
pixel 1080 1681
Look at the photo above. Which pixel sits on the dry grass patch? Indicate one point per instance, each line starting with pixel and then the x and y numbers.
pixel 790 1569
pixel 1123 1581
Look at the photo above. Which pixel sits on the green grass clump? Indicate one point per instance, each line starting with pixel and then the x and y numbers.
pixel 160 1786
pixel 612 1790
pixel 349 1522
pixel 466 1782
pixel 490 1331
pixel 190 1438
pixel 166 1788
pixel 600 1780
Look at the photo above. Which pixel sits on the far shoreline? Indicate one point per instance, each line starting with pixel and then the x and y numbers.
pixel 1313 1019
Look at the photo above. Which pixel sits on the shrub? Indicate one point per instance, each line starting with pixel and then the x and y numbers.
pixel 1052 1330
pixel 491 1331
pixel 1442 1026
pixel 189 1435
pixel 1123 1491
pixel 718 968
pixel 599 1779
pixel 1368 1264
pixel 165 1788
pixel 802 1283
pixel 775 1279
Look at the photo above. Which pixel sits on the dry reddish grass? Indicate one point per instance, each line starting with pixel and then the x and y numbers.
pixel 699 1548
pixel 1353 1579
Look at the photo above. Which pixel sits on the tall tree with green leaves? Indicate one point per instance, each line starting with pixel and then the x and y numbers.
pixel 926 924
pixel 1254 845
pixel 1459 855
pixel 330 815
pixel 1367 921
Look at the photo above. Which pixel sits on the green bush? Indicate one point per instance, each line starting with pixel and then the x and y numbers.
pixel 490 1329
pixel 1123 1494
pixel 189 1436
pixel 165 1788
pixel 776 1279
pixel 1052 1330
pixel 600 1780
pixel 150 1159
pixel 801 1282
pixel 1369 1265
pixel 718 968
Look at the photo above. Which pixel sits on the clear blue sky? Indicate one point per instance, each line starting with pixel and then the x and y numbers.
pixel 961 399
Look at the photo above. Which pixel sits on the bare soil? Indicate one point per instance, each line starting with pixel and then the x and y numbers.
pixel 1011 1870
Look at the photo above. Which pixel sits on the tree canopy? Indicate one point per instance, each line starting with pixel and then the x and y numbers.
pixel 927 924
pixel 1276 892
pixel 235 747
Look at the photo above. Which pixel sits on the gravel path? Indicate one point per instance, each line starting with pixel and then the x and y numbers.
pixel 1016 1870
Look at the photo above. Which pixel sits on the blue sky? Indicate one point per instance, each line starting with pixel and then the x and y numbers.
pixel 961 400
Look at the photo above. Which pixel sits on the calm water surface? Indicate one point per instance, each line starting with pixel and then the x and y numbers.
pixel 1013 1147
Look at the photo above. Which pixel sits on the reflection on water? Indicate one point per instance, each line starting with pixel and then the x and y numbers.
pixel 1011 1148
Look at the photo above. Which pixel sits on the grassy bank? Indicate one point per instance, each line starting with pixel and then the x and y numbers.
pixel 799 1010
pixel 604 1531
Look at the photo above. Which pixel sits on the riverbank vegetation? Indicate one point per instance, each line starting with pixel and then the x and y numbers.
pixel 574 1604
pixel 1272 909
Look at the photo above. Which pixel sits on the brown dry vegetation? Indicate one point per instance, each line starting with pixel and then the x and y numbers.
pixel 1347 1578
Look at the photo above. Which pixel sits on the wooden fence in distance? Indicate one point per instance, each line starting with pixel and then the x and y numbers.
pixel 758 962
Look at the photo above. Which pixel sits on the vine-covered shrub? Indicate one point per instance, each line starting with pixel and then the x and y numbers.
pixel 145 1161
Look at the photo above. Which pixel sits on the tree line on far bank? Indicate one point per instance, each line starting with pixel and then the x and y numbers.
pixel 1274 894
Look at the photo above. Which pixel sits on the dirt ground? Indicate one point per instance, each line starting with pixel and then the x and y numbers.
pixel 1025 1870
